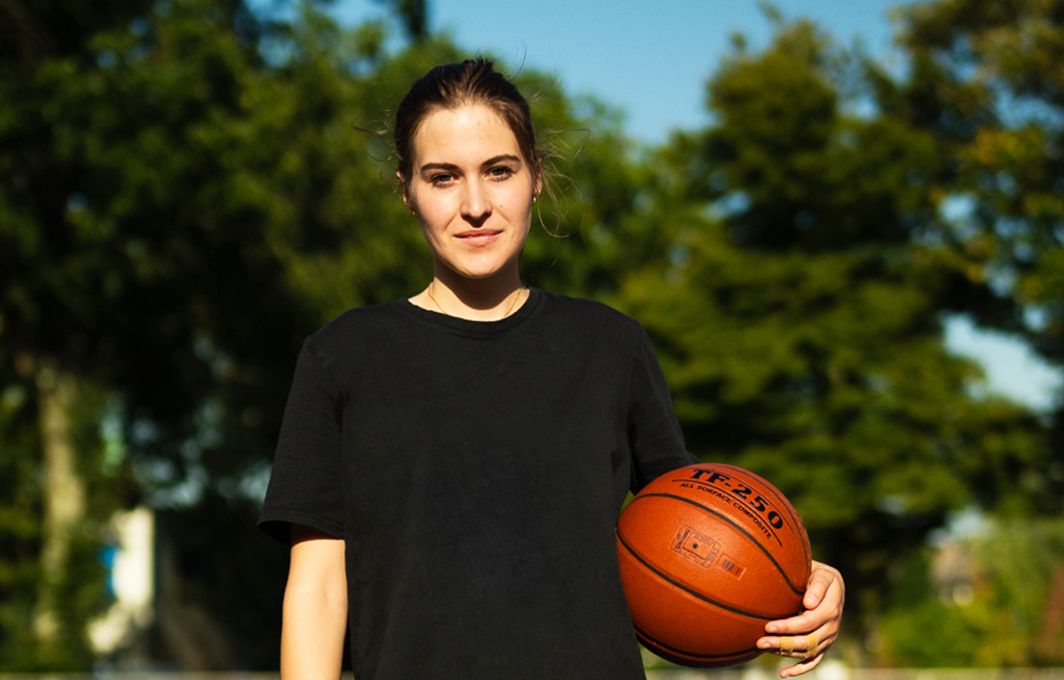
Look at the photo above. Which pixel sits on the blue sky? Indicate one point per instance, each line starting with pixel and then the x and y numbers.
pixel 651 60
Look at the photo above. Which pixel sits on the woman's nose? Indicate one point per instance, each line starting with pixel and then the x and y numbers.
pixel 476 204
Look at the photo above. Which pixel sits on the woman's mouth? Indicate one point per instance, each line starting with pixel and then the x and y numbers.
pixel 479 237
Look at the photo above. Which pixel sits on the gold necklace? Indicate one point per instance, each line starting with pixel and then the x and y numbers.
pixel 513 303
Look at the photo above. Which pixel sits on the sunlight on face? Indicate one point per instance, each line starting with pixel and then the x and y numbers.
pixel 472 190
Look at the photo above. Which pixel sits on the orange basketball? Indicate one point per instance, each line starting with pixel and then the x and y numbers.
pixel 708 554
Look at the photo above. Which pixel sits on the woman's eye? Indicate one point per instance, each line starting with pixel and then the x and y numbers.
pixel 441 179
pixel 500 172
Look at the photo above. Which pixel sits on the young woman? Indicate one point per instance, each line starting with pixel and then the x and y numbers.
pixel 451 466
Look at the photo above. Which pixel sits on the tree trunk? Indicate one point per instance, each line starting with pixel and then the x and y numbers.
pixel 63 490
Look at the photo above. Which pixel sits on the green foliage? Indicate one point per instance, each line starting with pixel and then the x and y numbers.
pixel 19 522
pixel 114 269
pixel 986 77
pixel 923 628
pixel 79 584
pixel 798 315
pixel 798 170
pixel 1011 586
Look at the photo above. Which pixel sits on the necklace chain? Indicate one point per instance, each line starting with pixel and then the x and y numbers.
pixel 513 303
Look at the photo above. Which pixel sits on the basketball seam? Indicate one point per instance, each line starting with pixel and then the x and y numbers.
pixel 782 501
pixel 689 591
pixel 786 578
pixel 694 655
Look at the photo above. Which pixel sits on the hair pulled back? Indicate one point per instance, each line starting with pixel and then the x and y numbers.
pixel 450 86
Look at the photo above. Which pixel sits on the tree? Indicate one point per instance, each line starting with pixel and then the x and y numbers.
pixel 799 315
pixel 984 78
pixel 114 284
pixel 46 408
pixel 975 589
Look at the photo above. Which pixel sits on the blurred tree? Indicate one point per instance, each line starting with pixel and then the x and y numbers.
pixel 43 611
pixel 985 79
pixel 49 586
pixel 979 588
pixel 120 274
pixel 799 313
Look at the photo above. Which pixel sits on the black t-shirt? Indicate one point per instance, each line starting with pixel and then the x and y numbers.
pixel 475 471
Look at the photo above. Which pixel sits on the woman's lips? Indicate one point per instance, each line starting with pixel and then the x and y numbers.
pixel 479 237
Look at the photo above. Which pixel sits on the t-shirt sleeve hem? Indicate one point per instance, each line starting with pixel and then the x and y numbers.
pixel 276 523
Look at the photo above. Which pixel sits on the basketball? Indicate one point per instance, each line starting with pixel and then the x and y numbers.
pixel 708 554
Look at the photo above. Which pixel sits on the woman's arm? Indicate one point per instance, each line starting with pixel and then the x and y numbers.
pixel 315 607
pixel 808 635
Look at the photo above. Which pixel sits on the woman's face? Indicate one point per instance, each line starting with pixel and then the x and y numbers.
pixel 472 190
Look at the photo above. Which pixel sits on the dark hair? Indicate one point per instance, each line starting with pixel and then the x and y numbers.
pixel 474 81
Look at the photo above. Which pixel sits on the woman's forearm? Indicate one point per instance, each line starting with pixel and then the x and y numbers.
pixel 312 637
pixel 315 612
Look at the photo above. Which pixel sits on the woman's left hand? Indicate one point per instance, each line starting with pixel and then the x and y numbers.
pixel 808 635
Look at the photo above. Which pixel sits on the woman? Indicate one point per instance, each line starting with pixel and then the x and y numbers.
pixel 451 466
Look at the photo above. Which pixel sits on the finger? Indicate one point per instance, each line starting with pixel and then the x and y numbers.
pixel 819 582
pixel 805 647
pixel 828 612
pixel 812 646
pixel 798 646
pixel 809 620
pixel 801 667
pixel 822 579
pixel 795 646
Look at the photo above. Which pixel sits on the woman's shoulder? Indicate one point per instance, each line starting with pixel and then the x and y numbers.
pixel 590 313
pixel 587 310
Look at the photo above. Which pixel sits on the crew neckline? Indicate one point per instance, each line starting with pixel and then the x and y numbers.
pixel 518 316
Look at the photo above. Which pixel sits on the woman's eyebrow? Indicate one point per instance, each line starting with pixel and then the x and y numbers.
pixel 499 159
pixel 451 167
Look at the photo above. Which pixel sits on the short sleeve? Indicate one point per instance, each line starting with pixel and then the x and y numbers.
pixel 305 482
pixel 654 434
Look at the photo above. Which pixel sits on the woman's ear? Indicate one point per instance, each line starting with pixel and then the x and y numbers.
pixel 407 201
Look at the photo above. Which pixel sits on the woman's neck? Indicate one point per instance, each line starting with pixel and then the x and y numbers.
pixel 473 299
